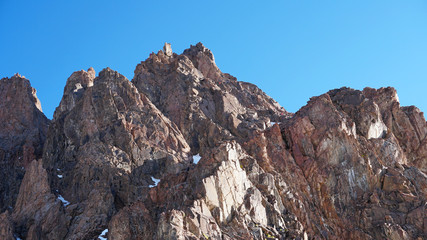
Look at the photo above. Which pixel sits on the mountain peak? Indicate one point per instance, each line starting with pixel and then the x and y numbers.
pixel 187 151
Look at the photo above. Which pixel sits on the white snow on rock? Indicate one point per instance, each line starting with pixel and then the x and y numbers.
pixel 155 180
pixel 59 176
pixel 196 158
pixel 377 129
pixel 65 202
pixel 103 235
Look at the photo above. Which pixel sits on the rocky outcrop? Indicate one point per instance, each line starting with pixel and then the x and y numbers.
pixel 76 85
pixel 38 214
pixel 6 226
pixel 106 142
pixel 378 113
pixel 185 151
pixel 191 91
pixel 357 169
pixel 23 129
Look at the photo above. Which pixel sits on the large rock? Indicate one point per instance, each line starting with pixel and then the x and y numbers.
pixel 185 151
pixel 356 167
pixel 105 144
pixel 207 105
pixel 38 213
pixel 377 112
pixel 23 129
pixel 6 226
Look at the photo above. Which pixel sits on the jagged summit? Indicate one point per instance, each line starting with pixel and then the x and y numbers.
pixel 23 129
pixel 185 151
pixel 191 91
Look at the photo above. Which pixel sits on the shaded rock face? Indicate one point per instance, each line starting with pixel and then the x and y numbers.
pixel 23 129
pixel 6 226
pixel 185 151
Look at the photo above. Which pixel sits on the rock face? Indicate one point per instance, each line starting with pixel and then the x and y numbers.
pixel 185 151
pixel 38 214
pixel 361 176
pixel 106 142
pixel 23 129
pixel 194 94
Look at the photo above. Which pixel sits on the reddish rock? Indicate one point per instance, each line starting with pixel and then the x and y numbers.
pixel 105 143
pixel 117 161
pixel 23 129
pixel 345 144
pixel 191 91
pixel 38 214
pixel 6 226
pixel 133 222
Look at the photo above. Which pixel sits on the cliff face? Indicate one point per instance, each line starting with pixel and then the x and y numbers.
pixel 194 94
pixel 184 151
pixel 23 129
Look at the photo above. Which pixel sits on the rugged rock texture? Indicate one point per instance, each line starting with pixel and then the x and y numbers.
pixel 185 151
pixel 360 177
pixel 191 91
pixel 23 129
pixel 106 142
pixel 6 226
pixel 38 214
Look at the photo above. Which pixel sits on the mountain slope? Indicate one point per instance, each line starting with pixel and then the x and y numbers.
pixel 23 129
pixel 184 151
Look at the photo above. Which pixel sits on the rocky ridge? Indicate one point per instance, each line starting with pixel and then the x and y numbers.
pixel 184 151
pixel 23 129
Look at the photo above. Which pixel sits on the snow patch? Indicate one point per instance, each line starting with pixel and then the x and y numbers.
pixel 196 158
pixel 103 235
pixel 78 86
pixel 65 202
pixel 59 176
pixel 377 129
pixel 155 180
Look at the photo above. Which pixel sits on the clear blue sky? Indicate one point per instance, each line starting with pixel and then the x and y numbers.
pixel 291 49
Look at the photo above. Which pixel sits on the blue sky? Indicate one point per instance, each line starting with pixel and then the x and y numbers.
pixel 293 50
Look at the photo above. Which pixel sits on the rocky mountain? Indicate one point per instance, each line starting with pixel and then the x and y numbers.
pixel 185 151
pixel 23 129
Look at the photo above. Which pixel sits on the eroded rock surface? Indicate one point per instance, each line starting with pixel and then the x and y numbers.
pixel 106 142
pixel 185 151
pixel 207 105
pixel 23 129
pixel 359 177
pixel 38 214
pixel 6 226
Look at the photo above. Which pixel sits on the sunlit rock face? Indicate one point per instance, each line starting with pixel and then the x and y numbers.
pixel 194 94
pixel 106 143
pixel 184 151
pixel 349 176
